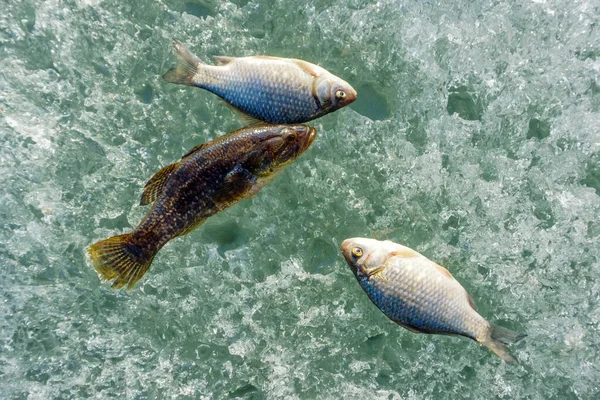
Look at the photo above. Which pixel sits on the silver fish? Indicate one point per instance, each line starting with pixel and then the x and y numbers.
pixel 421 295
pixel 270 89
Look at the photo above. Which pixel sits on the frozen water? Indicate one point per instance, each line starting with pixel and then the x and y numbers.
pixel 475 140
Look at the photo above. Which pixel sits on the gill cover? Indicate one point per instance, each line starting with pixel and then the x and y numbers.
pixel 323 92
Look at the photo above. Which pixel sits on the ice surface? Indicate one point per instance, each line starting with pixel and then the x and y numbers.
pixel 477 143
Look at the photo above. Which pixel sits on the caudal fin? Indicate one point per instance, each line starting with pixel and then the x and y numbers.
pixel 187 66
pixel 120 259
pixel 497 340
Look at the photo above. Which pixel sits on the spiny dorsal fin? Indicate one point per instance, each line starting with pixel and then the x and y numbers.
pixel 156 183
pixel 223 60
pixel 194 149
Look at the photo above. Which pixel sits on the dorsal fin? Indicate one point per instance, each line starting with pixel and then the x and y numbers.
pixel 156 183
pixel 444 271
pixel 471 302
pixel 307 67
pixel 194 149
pixel 223 60
pixel 267 57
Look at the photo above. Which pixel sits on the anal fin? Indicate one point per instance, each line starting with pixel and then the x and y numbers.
pixel 471 302
pixel 190 228
pixel 410 328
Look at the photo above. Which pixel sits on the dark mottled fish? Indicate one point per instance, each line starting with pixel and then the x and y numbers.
pixel 271 89
pixel 421 295
pixel 208 179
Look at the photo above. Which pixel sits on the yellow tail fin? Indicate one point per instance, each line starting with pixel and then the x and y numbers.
pixel 120 259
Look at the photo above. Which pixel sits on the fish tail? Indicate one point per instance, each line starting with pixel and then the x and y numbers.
pixel 121 259
pixel 187 66
pixel 497 339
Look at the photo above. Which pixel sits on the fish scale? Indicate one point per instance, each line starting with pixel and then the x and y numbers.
pixel 262 93
pixel 207 180
pixel 271 89
pixel 425 310
pixel 420 295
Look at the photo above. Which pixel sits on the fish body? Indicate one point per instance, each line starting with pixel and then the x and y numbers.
pixel 208 179
pixel 421 295
pixel 270 89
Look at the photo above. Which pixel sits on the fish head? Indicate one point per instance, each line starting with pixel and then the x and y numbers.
pixel 365 255
pixel 333 92
pixel 283 144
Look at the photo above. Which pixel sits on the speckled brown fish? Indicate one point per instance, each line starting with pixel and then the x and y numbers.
pixel 208 179
pixel 421 295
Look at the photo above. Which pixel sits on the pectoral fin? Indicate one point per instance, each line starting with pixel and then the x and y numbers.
pixel 234 187
pixel 372 272
pixel 155 185
pixel 246 119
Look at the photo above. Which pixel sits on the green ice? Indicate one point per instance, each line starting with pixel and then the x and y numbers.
pixel 476 142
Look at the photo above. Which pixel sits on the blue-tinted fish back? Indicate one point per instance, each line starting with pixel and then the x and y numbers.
pixel 429 319
pixel 276 104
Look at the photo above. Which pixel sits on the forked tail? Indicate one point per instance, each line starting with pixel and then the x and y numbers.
pixel 119 258
pixel 187 66
pixel 497 339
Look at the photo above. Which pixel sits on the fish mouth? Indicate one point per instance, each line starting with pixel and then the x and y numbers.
pixel 307 138
pixel 351 96
pixel 346 249
pixel 345 246
pixel 312 135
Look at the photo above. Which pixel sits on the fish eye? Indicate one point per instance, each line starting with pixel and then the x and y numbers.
pixel 340 94
pixel 357 252
pixel 291 137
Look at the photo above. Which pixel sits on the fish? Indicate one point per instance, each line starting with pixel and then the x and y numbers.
pixel 208 179
pixel 420 295
pixel 264 88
